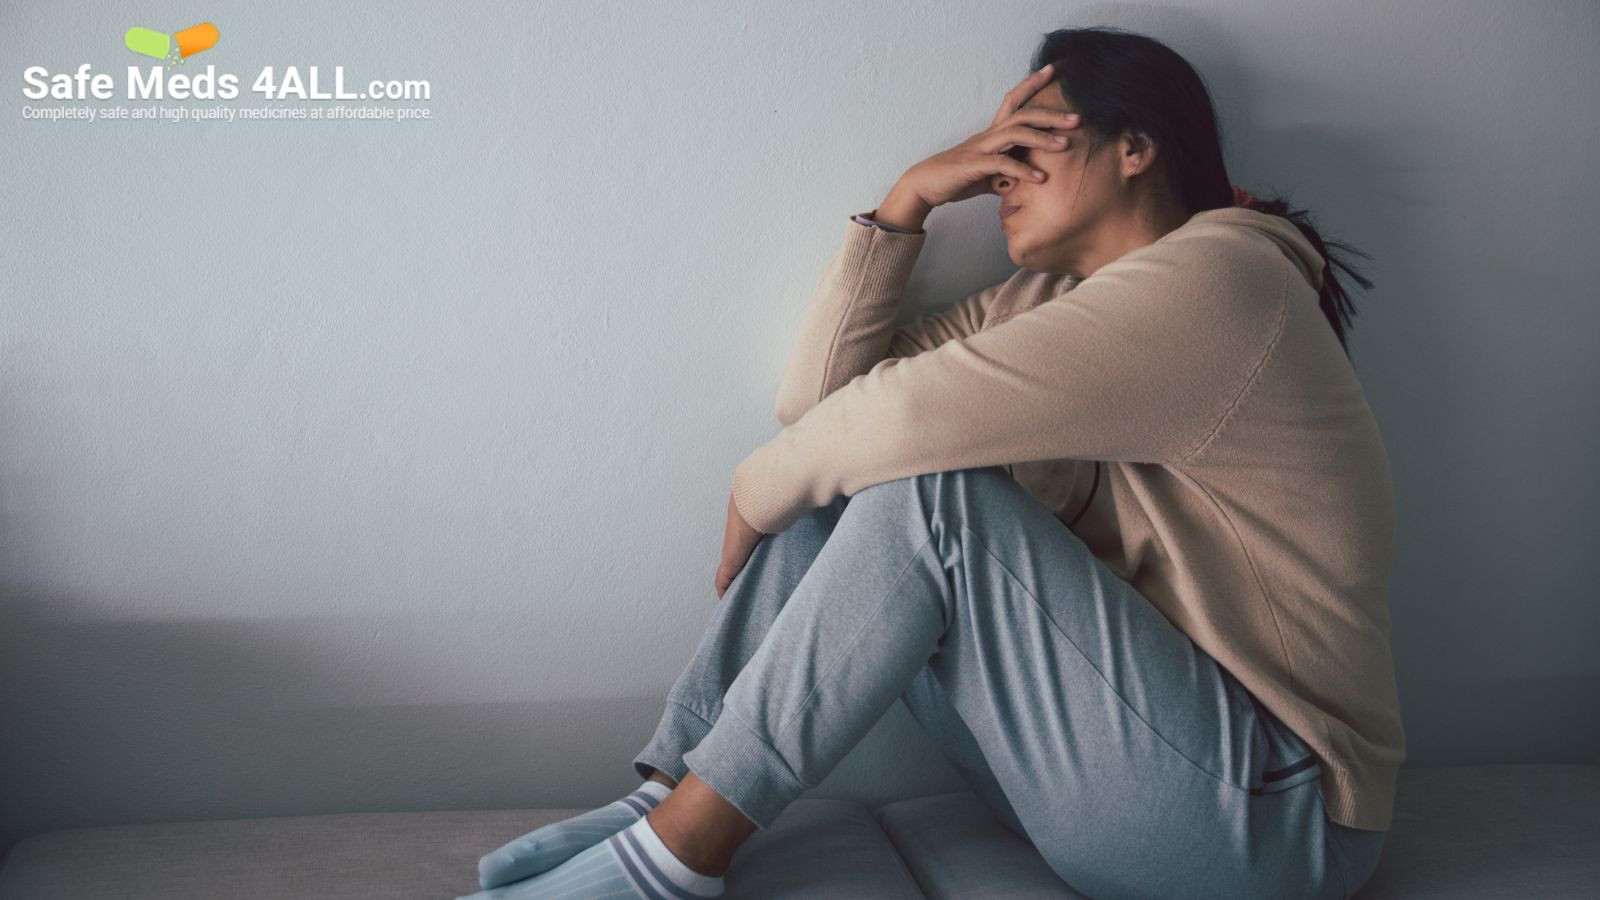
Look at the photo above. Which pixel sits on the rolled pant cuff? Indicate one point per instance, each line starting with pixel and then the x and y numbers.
pixel 746 770
pixel 680 729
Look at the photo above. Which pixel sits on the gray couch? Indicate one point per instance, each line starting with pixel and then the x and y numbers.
pixel 1524 831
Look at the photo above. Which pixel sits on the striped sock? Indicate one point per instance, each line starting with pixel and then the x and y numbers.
pixel 631 864
pixel 551 845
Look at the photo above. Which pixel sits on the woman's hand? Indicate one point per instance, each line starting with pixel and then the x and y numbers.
pixel 739 540
pixel 966 170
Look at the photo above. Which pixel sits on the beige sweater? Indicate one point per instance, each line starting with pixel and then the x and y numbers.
pixel 1245 489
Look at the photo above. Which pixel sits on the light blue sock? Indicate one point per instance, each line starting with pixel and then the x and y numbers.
pixel 630 864
pixel 551 845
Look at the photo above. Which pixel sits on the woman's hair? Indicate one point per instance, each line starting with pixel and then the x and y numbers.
pixel 1120 81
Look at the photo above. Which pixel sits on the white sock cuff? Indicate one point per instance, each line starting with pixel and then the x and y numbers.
pixel 675 868
pixel 655 789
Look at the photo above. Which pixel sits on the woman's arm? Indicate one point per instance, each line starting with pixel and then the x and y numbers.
pixel 849 326
pixel 1140 363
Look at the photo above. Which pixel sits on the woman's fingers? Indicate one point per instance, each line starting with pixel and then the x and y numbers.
pixel 1009 165
pixel 1001 140
pixel 966 169
pixel 1044 117
pixel 1019 95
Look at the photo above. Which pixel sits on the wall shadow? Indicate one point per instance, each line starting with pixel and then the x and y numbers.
pixel 115 722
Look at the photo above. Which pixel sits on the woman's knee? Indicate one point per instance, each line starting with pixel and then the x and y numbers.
pixel 977 478
pixel 801 542
pixel 973 495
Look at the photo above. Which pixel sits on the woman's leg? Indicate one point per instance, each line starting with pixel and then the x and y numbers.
pixel 740 622
pixel 1132 760
pixel 739 626
pixel 929 706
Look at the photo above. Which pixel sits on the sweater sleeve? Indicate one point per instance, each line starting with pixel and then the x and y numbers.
pixel 865 219
pixel 1139 363
pixel 849 325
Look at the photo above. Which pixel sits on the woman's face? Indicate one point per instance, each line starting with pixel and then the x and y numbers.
pixel 1077 219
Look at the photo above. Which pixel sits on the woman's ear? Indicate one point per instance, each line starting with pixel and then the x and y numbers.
pixel 1136 153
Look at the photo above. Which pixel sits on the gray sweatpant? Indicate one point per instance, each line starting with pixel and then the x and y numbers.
pixel 1088 722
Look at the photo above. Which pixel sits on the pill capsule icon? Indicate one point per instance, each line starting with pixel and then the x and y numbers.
pixel 145 42
pixel 193 40
pixel 160 45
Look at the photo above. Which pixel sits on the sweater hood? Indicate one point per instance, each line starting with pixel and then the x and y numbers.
pixel 1280 232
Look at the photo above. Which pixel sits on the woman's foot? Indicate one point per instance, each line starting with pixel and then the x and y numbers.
pixel 631 863
pixel 551 845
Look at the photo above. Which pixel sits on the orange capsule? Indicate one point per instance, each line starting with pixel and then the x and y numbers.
pixel 193 40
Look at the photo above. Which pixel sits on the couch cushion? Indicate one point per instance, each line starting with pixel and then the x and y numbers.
pixel 823 849
pixel 1525 830
pixel 817 848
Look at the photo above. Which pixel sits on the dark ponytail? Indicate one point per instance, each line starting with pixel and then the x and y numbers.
pixel 1333 299
pixel 1120 81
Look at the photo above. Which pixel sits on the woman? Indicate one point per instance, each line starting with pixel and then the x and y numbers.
pixel 1117 531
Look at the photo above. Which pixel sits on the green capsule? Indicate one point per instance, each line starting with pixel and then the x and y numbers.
pixel 145 42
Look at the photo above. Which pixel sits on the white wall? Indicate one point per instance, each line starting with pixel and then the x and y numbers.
pixel 366 465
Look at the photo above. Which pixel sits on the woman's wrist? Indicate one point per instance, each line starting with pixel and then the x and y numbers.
pixel 902 209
